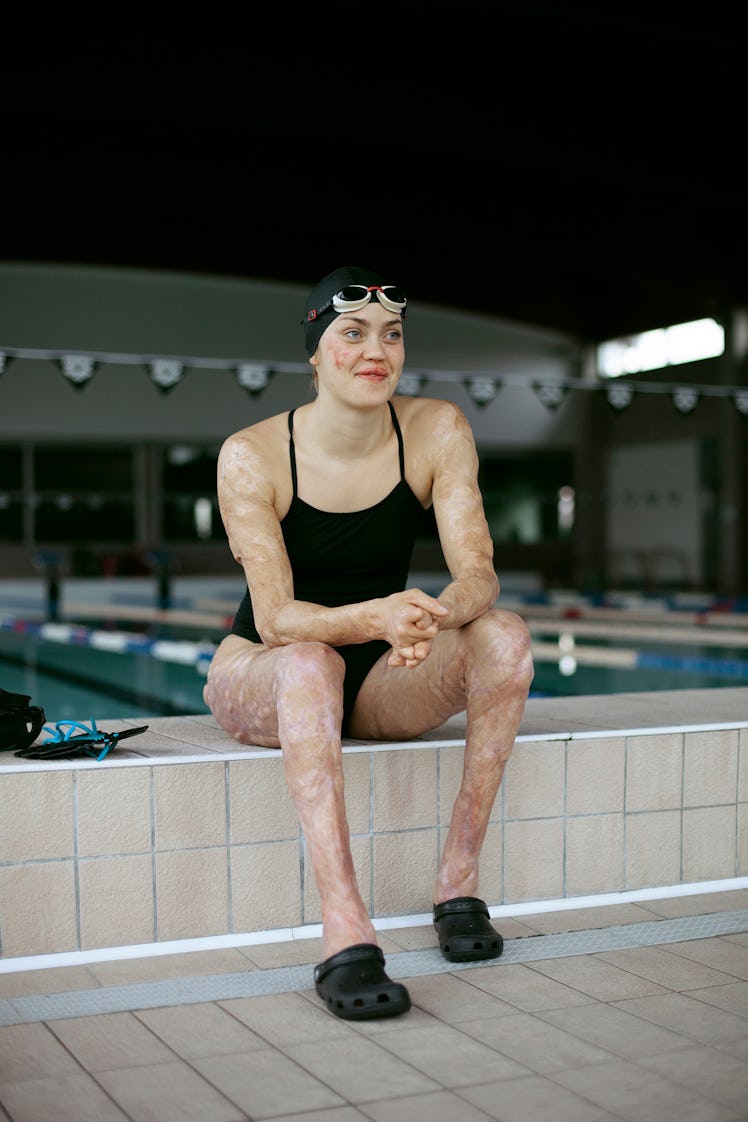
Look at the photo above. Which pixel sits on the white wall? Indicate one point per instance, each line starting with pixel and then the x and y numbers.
pixel 115 311
pixel 654 527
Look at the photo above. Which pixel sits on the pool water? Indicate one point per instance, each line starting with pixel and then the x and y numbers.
pixel 77 683
pixel 672 668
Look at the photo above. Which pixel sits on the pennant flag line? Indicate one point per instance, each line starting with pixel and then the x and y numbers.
pixel 253 376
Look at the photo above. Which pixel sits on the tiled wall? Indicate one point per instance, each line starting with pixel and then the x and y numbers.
pixel 135 853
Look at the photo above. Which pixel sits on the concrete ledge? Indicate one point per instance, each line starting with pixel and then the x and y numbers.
pixel 183 834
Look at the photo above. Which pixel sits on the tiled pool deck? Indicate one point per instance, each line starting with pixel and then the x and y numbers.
pixel 627 1011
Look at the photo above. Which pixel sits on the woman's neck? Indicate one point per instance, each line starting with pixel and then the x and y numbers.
pixel 346 433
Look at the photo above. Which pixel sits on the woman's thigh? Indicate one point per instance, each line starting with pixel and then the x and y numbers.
pixel 395 702
pixel 240 691
pixel 254 691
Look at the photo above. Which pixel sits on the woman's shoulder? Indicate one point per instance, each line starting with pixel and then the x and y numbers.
pixel 253 466
pixel 431 416
pixel 265 433
pixel 257 451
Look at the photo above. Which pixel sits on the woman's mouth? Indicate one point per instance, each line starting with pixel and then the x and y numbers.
pixel 373 374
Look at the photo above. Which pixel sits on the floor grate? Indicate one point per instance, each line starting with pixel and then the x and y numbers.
pixel 407 964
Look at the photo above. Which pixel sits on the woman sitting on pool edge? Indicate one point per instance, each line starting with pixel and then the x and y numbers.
pixel 321 507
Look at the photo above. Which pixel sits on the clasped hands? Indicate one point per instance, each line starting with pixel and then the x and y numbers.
pixel 411 620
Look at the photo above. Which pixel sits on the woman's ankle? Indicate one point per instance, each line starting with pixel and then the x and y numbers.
pixel 341 932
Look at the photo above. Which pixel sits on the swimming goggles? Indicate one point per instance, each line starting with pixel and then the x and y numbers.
pixel 353 297
pixel 64 741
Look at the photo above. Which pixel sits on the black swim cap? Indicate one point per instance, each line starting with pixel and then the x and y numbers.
pixel 324 291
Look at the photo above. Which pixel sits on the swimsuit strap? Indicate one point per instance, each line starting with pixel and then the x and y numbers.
pixel 292 451
pixel 399 434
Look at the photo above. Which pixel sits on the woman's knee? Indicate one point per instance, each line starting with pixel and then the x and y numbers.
pixel 500 641
pixel 312 672
pixel 309 700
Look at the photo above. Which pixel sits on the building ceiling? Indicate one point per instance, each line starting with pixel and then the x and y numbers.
pixel 554 165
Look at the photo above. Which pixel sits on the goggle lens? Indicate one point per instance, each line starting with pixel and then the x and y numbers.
pixel 353 297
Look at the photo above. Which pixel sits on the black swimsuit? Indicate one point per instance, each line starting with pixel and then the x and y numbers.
pixel 346 558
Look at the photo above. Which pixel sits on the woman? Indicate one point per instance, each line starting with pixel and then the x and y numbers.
pixel 321 506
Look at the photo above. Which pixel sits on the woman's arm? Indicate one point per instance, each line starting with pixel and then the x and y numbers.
pixel 461 521
pixel 246 496
pixel 446 441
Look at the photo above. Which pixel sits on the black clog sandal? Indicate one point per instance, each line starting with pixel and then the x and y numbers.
pixel 465 935
pixel 353 984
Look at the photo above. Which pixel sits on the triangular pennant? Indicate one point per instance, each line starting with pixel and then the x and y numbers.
pixel 685 399
pixel 166 373
pixel 619 396
pixel 482 389
pixel 411 384
pixel 551 394
pixel 741 402
pixel 254 377
pixel 78 369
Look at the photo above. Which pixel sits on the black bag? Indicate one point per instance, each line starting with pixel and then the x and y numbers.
pixel 20 723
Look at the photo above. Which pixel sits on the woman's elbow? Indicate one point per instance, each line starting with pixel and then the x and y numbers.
pixel 272 627
pixel 269 635
pixel 489 583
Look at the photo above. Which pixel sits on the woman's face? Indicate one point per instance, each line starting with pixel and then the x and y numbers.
pixel 361 353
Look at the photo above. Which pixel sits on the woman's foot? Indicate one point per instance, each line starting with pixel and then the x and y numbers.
pixel 354 985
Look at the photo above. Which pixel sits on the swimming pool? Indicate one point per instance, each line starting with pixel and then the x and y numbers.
pixel 80 680
pixel 108 674
pixel 124 657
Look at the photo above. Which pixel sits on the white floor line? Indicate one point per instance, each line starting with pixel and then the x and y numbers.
pixel 314 931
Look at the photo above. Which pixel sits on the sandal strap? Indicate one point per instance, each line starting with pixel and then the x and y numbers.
pixel 460 905
pixel 359 952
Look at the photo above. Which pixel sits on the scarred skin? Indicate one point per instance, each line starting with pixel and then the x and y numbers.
pixel 447 654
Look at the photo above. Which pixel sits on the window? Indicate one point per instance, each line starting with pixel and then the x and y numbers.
pixel 528 499
pixel 83 469
pixel 83 494
pixel 11 494
pixel 189 504
pixel 667 346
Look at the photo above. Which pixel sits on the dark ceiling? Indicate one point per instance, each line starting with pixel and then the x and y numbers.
pixel 563 166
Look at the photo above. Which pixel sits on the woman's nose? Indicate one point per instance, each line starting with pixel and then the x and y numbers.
pixel 373 346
